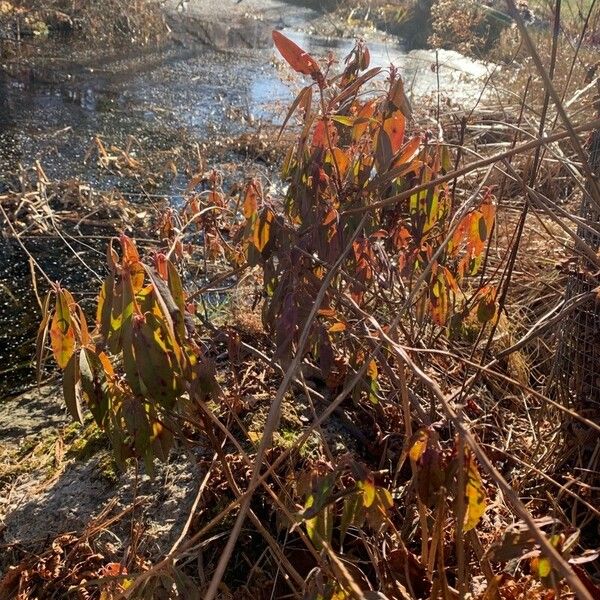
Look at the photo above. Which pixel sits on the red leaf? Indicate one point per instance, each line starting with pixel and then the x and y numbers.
pixel 294 55
pixel 324 134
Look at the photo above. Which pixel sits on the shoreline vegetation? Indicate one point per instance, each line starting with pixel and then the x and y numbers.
pixel 349 353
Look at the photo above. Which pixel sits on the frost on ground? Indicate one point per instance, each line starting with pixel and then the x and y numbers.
pixel 50 484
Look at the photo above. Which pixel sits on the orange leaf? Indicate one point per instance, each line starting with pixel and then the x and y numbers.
pixel 362 120
pixel 341 160
pixel 160 264
pixel 395 127
pixel 324 133
pixel 130 253
pixel 408 151
pixel 372 370
pixel 331 217
pixel 253 192
pixel 488 215
pixel 262 230
pixel 298 59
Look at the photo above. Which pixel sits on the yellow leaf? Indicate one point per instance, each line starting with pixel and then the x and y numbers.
pixel 384 497
pixel 368 488
pixel 544 567
pixel 62 333
pixel 337 327
pixel 475 495
pixel 419 444
pixel 372 370
pixel 254 436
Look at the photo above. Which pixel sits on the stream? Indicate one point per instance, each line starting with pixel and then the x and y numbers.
pixel 216 79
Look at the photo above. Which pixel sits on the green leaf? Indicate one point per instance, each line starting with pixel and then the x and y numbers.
pixel 132 374
pixel 383 151
pixel 304 98
pixel 486 307
pixel 320 527
pixel 105 306
pixel 347 121
pixel 544 567
pixel 114 332
pixel 372 375
pixel 138 425
pixel 94 385
pixel 157 370
pixel 72 388
pixel 353 514
pixel 176 288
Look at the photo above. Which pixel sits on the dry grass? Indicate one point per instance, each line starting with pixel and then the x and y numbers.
pixel 486 388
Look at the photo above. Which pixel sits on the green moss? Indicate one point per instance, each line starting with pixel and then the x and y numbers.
pixel 40 452
pixel 88 442
pixel 27 447
pixel 35 452
pixel 108 468
pixel 286 437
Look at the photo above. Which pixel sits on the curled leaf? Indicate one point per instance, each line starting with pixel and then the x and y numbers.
pixel 303 100
pixel 399 98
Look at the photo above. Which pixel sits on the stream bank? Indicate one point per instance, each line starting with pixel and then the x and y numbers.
pixel 213 85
